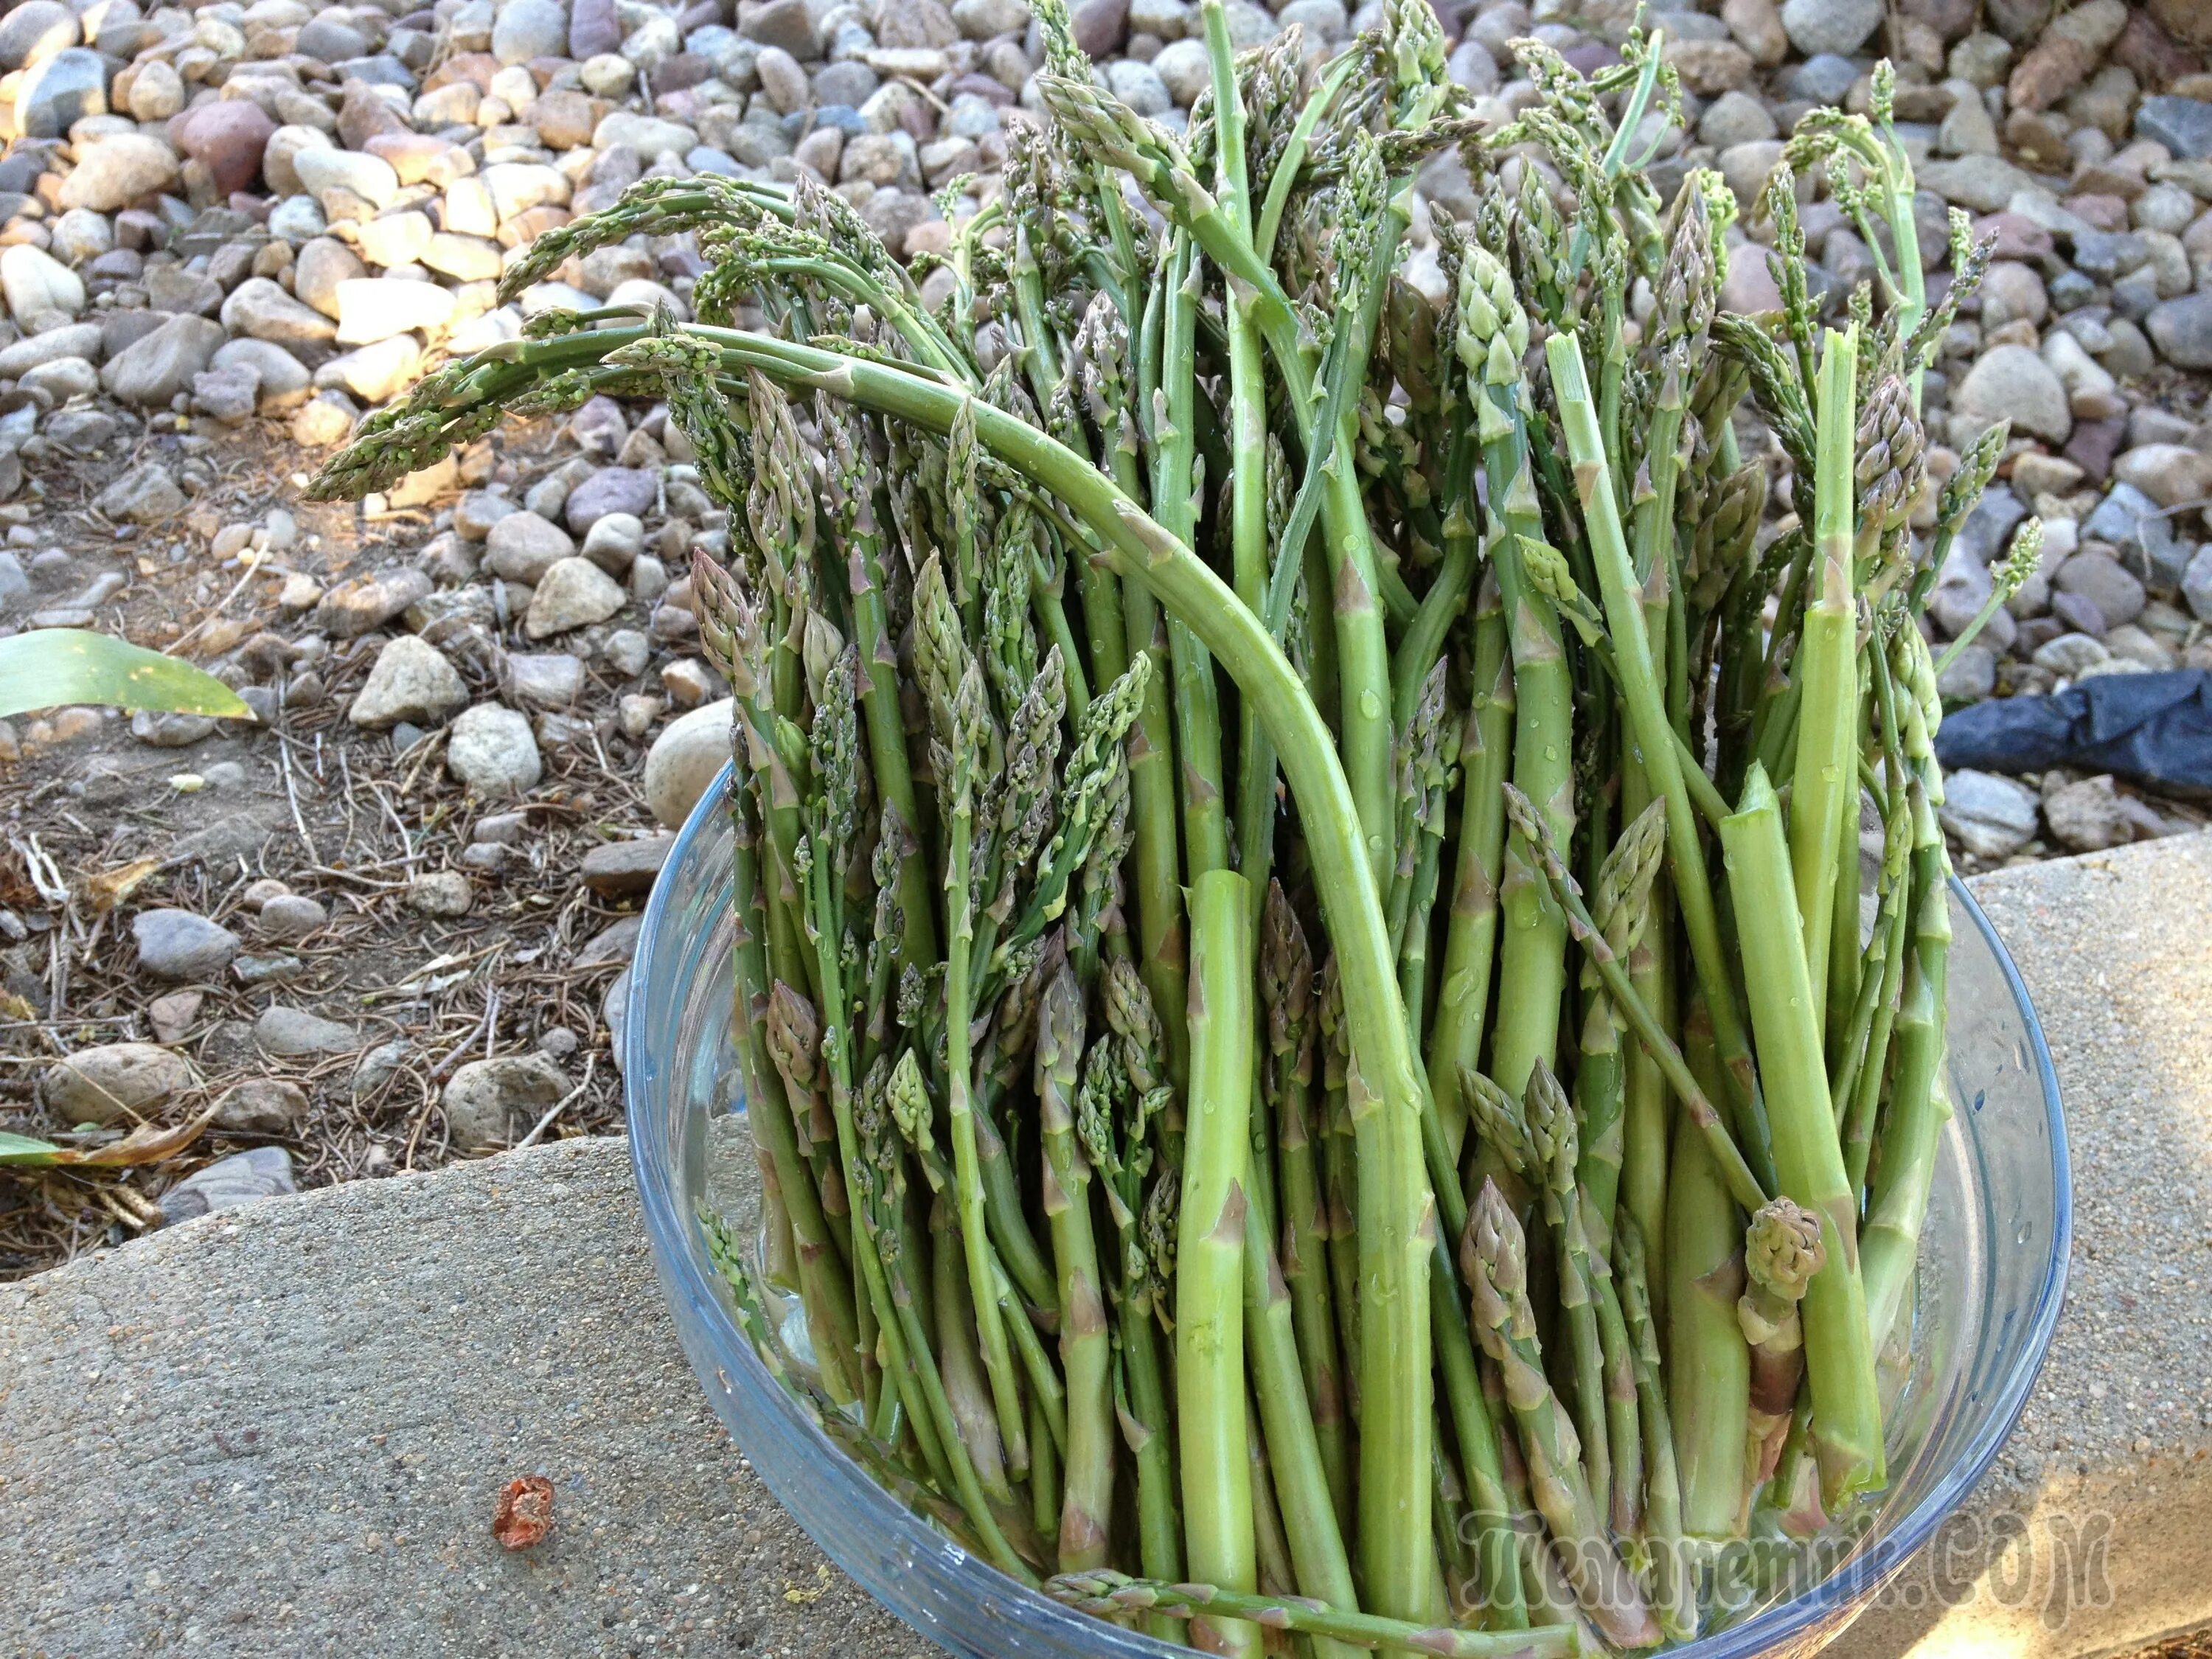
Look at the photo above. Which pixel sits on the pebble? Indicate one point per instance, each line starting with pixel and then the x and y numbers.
pixel 494 1103
pixel 493 750
pixel 2181 329
pixel 152 371
pixel 2117 593
pixel 610 490
pixel 292 915
pixel 366 603
pixel 522 547
pixel 549 679
pixel 685 758
pixel 442 893
pixel 2013 382
pixel 262 1105
pixel 180 944
pixel 117 1084
pixel 2087 817
pixel 292 1033
pixel 614 542
pixel 574 594
pixel 1992 817
pixel 625 869
pixel 147 494
pixel 228 1182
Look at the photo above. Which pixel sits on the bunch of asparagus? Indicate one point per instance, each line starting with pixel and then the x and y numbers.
pixel 1268 1101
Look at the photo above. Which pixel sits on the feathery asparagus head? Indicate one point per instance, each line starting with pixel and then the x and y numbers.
pixel 1783 1248
pixel 1102 128
pixel 1551 1132
pixel 1493 1260
pixel 2011 573
pixel 1622 903
pixel 1287 972
pixel 1890 442
pixel 1631 1274
pixel 1499 1122
pixel 1964 488
pixel 1097 1096
pixel 729 627
pixel 779 509
pixel 795 1034
pixel 1130 1014
pixel 1059 1036
pixel 906 1095
pixel 1156 1234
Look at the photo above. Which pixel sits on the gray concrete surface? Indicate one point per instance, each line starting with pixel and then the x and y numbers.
pixel 283 1429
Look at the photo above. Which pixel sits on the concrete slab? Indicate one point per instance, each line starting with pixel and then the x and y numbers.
pixel 283 1429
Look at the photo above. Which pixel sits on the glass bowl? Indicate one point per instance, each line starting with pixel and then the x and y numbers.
pixel 1992 1275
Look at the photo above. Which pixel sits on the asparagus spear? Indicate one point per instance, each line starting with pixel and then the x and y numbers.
pixel 1084 1348
pixel 1217 1493
pixel 1838 1351
pixel 1782 1251
pixel 1113 1593
pixel 1493 1260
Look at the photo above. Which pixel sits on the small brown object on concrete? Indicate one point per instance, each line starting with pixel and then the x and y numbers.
pixel 525 1514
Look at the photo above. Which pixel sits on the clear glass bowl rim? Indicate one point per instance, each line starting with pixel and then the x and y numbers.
pixel 689 1282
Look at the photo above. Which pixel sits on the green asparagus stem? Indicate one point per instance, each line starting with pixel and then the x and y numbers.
pixel 1825 783
pixel 1493 1260
pixel 1697 1107
pixel 1085 1351
pixel 1653 735
pixel 1781 1253
pixel 1471 930
pixel 1493 335
pixel 1217 1492
pixel 1286 992
pixel 1111 1594
pixel 1707 1370
pixel 1674 1593
pixel 1839 1352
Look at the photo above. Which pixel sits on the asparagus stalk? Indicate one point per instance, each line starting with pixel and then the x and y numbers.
pixel 1287 991
pixel 1493 1260
pixel 1782 1251
pixel 1471 930
pixel 1109 1594
pixel 1826 782
pixel 1839 1352
pixel 1707 1370
pixel 1088 1482
pixel 1209 1329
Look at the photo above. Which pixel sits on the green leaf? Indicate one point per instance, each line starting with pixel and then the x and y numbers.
pixel 21 1151
pixel 47 667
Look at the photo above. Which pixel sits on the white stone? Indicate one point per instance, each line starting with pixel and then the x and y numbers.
pixel 411 680
pixel 117 170
pixel 685 758
pixel 373 308
pixel 492 749
pixel 39 285
pixel 367 176
pixel 574 593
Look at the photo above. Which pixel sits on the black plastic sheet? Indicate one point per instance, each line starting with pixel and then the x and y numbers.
pixel 2154 729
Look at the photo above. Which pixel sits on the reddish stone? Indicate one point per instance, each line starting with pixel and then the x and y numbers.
pixel 685 69
pixel 1100 27
pixel 227 137
pixel 364 114
pixel 2018 236
pixel 2093 445
pixel 2157 59
pixel 2102 212
pixel 475 67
